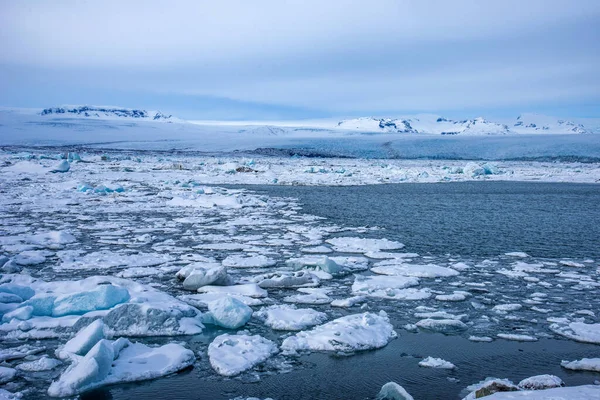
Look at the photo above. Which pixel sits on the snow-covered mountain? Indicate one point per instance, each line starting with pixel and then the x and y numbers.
pixel 100 112
pixel 537 123
pixel 436 125
pixel 425 124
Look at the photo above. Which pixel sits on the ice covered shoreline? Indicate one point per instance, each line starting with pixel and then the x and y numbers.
pixel 228 168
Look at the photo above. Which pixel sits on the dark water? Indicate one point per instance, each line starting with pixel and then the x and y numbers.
pixel 470 218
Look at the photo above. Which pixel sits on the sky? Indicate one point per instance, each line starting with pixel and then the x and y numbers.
pixel 253 60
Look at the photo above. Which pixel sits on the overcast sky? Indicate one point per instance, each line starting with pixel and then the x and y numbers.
pixel 304 59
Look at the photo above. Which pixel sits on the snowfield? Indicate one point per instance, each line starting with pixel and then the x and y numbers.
pixel 132 266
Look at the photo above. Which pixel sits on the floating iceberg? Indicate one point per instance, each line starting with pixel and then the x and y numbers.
pixel 41 364
pixel 289 318
pixel 259 261
pixel 233 354
pixel 446 326
pixel 432 362
pixel 393 391
pixel 350 333
pixel 540 382
pixel 389 287
pixel 248 289
pixel 120 361
pixel 196 278
pixel 287 279
pixel 359 245
pixel 579 331
pixel 419 271
pixel 62 166
pixel 585 364
pixel 227 312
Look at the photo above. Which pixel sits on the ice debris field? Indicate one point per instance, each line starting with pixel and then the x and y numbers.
pixel 111 264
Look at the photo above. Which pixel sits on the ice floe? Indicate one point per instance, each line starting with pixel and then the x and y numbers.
pixel 110 362
pixel 227 312
pixel 585 364
pixel 361 245
pixel 393 391
pixel 350 333
pixel 420 271
pixel 233 354
pixel 289 318
pixel 431 362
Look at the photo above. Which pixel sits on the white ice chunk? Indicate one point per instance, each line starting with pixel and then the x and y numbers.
pixel 287 279
pixel 417 270
pixel 518 254
pixel 504 308
pixel 348 302
pixel 41 364
pixel 313 297
pixel 233 354
pixel 442 325
pixel 579 331
pixel 203 277
pixel 7 374
pixel 62 166
pixel 393 391
pixel 83 341
pixel 322 263
pixel 585 364
pixel 30 257
pixel 203 299
pixel 517 337
pixel 457 295
pixel 289 318
pixel 120 361
pixel 389 287
pixel 350 333
pixel 486 339
pixel 227 312
pixel 258 261
pixel 440 363
pixel 586 392
pixel 316 250
pixel 249 289
pixel 102 298
pixel 540 382
pixel 359 245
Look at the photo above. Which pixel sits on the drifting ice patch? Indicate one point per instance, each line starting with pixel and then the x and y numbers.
pixel 227 312
pixel 432 362
pixel 83 341
pixel 312 296
pixel 419 271
pixel 7 374
pixel 289 318
pixel 446 326
pixel 540 382
pixel 578 331
pixel 233 354
pixel 585 364
pixel 248 289
pixel 198 277
pixel 39 365
pixel 350 333
pixel 238 261
pixel 517 338
pixel 389 287
pixel 393 391
pixel 359 245
pixel 118 362
pixel 287 279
